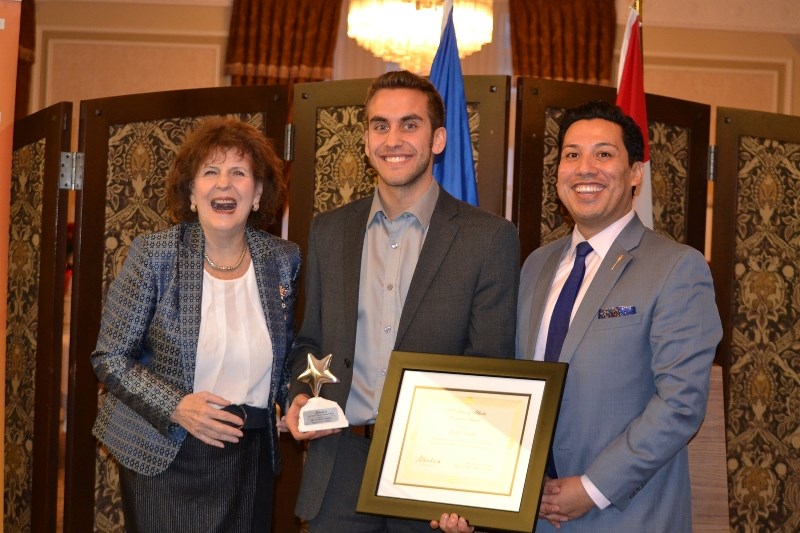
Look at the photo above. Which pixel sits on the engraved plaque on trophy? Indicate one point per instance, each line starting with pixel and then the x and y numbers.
pixel 320 413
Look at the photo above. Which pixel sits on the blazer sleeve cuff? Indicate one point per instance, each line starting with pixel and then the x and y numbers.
pixel 594 493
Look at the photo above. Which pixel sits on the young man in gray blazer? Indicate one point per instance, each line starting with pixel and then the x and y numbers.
pixel 409 268
pixel 641 341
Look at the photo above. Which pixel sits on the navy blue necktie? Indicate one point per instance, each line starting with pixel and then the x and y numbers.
pixel 559 321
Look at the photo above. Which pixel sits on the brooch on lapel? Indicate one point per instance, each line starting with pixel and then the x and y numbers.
pixel 284 292
pixel 614 312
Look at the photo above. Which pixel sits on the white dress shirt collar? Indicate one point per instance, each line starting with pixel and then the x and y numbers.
pixel 602 241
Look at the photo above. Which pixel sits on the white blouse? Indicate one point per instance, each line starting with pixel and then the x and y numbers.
pixel 234 350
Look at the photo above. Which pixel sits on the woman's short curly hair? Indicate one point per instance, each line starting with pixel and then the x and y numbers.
pixel 225 133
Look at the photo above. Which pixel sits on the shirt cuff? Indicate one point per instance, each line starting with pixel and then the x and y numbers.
pixel 594 493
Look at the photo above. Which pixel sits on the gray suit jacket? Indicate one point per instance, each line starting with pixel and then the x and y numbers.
pixel 146 349
pixel 637 384
pixel 462 300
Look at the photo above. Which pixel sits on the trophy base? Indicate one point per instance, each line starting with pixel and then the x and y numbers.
pixel 320 413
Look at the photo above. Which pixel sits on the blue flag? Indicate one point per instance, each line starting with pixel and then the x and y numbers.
pixel 454 168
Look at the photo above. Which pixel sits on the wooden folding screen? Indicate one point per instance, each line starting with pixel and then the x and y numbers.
pixel 330 167
pixel 129 143
pixel 755 253
pixel 37 261
pixel 678 146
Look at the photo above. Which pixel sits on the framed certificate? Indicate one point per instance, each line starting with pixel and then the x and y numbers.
pixel 462 434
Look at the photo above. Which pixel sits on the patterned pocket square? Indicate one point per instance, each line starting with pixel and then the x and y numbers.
pixel 614 312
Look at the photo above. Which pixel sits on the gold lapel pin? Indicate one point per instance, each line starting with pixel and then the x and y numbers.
pixel 617 262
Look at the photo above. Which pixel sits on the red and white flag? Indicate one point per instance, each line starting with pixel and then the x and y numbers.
pixel 630 97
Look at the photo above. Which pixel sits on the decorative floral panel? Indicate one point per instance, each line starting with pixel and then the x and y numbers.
pixel 763 423
pixel 27 181
pixel 669 164
pixel 556 221
pixel 342 172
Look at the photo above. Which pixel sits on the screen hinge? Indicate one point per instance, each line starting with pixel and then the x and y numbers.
pixel 70 175
pixel 288 143
pixel 712 163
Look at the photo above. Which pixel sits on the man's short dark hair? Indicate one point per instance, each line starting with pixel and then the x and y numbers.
pixel 631 134
pixel 403 79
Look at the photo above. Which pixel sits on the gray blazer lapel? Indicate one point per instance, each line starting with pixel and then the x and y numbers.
pixel 541 292
pixel 190 272
pixel 603 283
pixel 440 237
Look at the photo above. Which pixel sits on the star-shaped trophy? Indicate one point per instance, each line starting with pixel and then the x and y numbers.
pixel 320 413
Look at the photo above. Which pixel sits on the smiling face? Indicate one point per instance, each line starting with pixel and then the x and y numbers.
pixel 224 192
pixel 399 140
pixel 595 178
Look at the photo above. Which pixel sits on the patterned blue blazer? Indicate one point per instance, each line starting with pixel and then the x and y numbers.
pixel 146 349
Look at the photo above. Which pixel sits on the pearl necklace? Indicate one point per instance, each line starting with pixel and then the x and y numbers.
pixel 221 268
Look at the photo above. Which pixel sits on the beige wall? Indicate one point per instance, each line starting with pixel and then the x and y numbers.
pixel 735 53
pixel 725 68
pixel 97 49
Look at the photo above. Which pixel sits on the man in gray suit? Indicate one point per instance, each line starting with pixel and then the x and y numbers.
pixel 409 268
pixel 640 344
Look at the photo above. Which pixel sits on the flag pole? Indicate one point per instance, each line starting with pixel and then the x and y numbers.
pixel 637 5
pixel 631 99
pixel 448 5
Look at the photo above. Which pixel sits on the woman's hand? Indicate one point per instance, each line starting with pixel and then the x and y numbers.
pixel 199 417
pixel 281 425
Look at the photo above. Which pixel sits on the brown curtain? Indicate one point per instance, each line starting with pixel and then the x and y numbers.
pixel 27 51
pixel 282 41
pixel 569 40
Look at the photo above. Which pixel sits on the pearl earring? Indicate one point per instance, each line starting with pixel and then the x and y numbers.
pixel 193 208
pixel 255 206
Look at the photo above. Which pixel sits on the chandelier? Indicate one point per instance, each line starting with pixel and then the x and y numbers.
pixel 407 32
